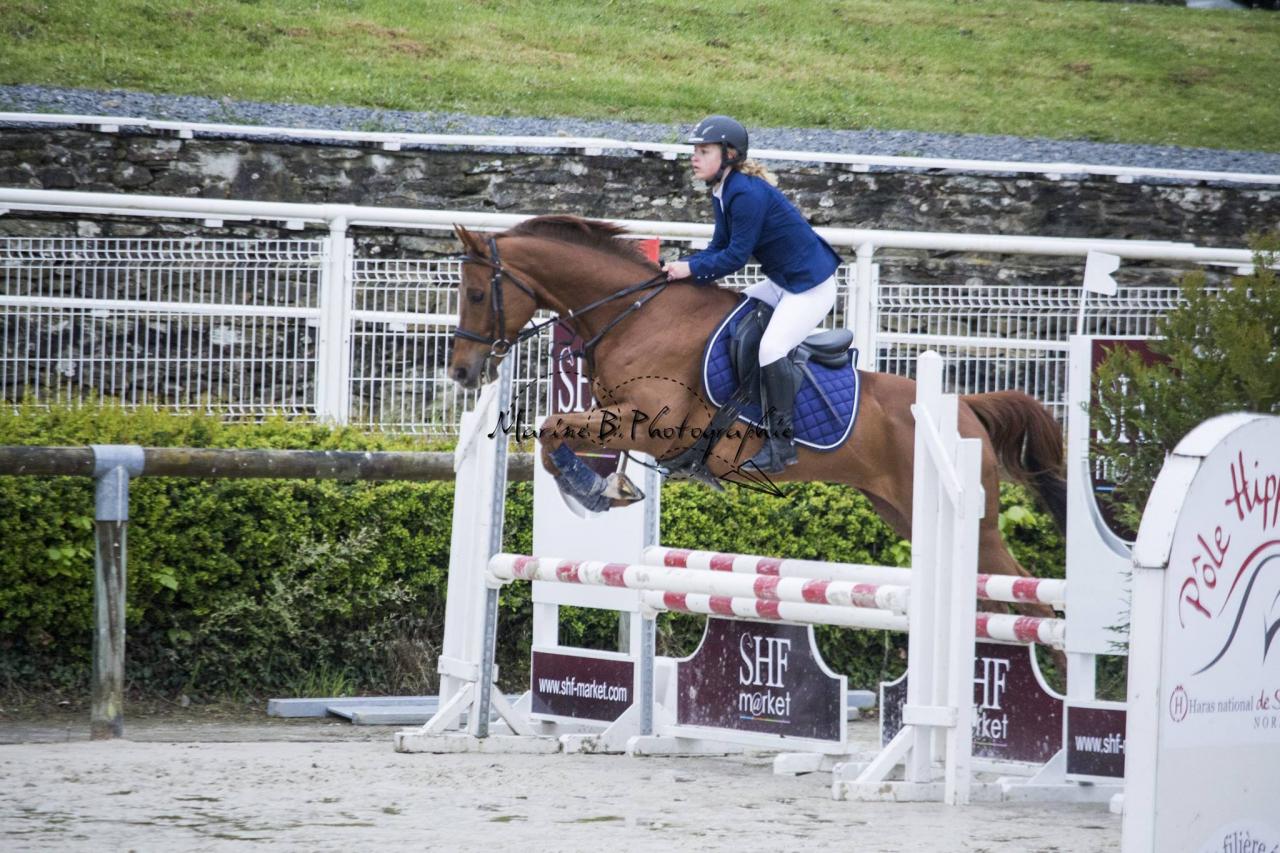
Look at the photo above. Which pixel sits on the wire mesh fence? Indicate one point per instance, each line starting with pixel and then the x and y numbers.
pixel 1013 334
pixel 232 326
pixel 217 325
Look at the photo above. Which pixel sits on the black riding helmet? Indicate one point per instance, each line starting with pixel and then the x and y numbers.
pixel 728 133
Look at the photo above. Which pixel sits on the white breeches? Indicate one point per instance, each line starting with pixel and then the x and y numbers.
pixel 795 315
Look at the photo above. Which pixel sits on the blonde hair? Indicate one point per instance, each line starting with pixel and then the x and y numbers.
pixel 756 170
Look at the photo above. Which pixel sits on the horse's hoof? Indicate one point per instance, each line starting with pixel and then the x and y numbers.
pixel 619 487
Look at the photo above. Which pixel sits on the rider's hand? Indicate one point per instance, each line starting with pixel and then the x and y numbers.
pixel 676 270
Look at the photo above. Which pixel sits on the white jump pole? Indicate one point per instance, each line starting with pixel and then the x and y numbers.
pixel 508 567
pixel 1007 588
pixel 480 720
pixel 948 502
pixel 763 598
pixel 467 661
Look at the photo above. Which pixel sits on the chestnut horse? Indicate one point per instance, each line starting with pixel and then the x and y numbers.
pixel 646 361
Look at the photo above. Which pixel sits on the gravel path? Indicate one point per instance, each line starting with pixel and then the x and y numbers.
pixel 47 99
pixel 322 786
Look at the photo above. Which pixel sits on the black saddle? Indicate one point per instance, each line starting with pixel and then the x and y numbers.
pixel 829 348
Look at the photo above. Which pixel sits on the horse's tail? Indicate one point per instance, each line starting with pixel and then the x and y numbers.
pixel 1028 443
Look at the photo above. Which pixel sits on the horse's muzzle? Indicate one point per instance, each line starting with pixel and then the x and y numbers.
pixel 471 375
pixel 468 379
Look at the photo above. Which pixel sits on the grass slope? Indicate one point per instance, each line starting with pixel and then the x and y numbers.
pixel 1083 70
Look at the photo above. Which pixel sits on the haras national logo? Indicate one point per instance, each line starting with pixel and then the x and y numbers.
pixel 1179 704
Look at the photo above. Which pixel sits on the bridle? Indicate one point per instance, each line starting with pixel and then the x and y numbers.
pixel 499 345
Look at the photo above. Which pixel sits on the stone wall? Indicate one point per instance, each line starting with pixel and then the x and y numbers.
pixel 615 186
pixel 633 187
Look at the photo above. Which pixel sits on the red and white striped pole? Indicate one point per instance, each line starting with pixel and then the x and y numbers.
pixel 507 567
pixel 1001 627
pixel 1006 588
pixel 800 600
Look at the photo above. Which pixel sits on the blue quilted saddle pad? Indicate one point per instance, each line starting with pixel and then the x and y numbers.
pixel 816 425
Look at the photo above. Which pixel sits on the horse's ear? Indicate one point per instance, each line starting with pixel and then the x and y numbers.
pixel 470 241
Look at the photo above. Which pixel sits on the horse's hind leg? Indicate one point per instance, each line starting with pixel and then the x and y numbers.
pixel 994 558
pixel 889 514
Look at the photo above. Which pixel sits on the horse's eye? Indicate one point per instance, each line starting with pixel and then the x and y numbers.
pixel 475 295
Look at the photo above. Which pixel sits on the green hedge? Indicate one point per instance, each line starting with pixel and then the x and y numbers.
pixel 1217 352
pixel 273 587
pixel 234 586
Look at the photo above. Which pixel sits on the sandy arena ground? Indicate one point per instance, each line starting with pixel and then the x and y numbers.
pixel 319 785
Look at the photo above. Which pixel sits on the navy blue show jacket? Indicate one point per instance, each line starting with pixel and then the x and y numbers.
pixel 754 219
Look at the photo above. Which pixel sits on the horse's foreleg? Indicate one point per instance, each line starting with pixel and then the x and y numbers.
pixel 566 435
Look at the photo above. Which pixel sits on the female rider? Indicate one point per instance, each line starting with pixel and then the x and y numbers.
pixel 754 219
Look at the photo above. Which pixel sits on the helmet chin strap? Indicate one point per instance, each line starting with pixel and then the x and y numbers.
pixel 726 163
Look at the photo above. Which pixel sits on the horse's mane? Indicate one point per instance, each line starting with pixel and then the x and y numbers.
pixel 589 233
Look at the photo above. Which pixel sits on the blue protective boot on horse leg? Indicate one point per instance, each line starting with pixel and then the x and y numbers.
pixel 594 493
pixel 778 399
pixel 577 480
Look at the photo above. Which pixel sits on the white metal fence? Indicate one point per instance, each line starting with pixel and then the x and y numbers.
pixel 1000 336
pixel 397 376
pixel 226 324
pixel 303 327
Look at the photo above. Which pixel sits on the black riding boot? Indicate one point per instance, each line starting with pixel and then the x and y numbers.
pixel 778 399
